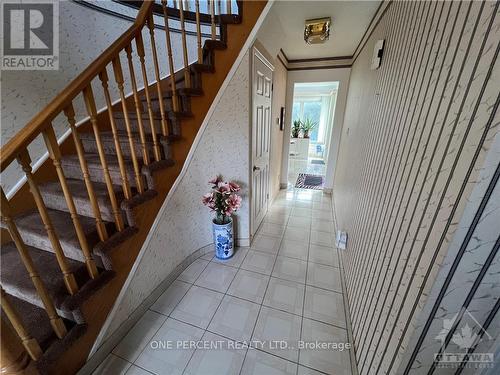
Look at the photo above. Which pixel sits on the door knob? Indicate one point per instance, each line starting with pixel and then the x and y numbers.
pixel 255 168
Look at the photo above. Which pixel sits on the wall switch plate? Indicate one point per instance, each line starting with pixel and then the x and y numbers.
pixel 341 240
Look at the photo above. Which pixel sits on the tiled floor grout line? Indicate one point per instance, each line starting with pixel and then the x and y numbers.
pixel 305 283
pixel 350 338
pixel 247 300
pixel 230 339
pixel 352 354
pixel 218 306
pixel 288 209
pixel 305 288
pixel 260 306
pixel 131 364
pixel 149 309
pixel 267 286
pixel 168 316
pixel 205 330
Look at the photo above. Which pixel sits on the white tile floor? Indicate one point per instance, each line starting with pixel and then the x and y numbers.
pixel 294 168
pixel 287 287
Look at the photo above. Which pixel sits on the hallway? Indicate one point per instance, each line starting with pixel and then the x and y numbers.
pixel 283 292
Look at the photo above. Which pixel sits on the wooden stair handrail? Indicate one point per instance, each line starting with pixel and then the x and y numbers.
pixel 43 119
pixel 189 16
pixel 82 214
pixel 110 209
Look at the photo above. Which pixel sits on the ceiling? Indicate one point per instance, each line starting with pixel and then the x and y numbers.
pixel 315 88
pixel 350 19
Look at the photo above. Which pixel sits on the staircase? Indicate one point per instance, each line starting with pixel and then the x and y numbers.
pixel 71 234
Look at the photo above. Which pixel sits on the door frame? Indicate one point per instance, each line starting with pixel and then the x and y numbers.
pixel 340 75
pixel 256 52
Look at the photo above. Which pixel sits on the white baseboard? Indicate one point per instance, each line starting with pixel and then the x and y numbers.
pixel 251 37
pixel 242 242
pixel 107 346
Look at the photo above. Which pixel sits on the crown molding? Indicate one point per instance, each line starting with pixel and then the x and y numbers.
pixel 336 62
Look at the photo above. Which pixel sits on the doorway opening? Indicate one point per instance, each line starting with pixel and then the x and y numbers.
pixel 311 132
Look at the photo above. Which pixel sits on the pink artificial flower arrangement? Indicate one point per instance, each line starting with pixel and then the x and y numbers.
pixel 222 199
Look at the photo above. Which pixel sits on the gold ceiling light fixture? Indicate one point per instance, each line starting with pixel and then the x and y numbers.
pixel 317 30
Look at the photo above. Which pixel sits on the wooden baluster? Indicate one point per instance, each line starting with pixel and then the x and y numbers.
pixel 55 154
pixel 212 17
pixel 198 32
pixel 88 97
pixel 175 99
pixel 127 192
pixel 69 279
pixel 175 3
pixel 164 123
pixel 140 52
pixel 117 69
pixel 29 343
pixel 187 75
pixel 219 5
pixel 55 320
pixel 229 10
pixel 101 227
pixel 14 360
pixel 138 106
pixel 186 5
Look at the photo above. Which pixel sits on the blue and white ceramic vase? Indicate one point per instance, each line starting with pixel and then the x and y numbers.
pixel 223 239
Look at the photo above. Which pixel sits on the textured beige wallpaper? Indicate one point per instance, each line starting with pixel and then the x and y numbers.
pixel 84 34
pixel 414 147
pixel 183 225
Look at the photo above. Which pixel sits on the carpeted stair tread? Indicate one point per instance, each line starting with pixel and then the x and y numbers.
pixel 133 116
pixel 53 197
pixel 108 142
pixel 17 282
pixel 134 124
pixel 71 167
pixel 121 134
pixel 36 321
pixel 34 234
pixel 14 278
pixel 167 94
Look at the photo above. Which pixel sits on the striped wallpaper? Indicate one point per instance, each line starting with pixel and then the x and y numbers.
pixel 416 188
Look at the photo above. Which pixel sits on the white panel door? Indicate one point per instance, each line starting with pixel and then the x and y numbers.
pixel 262 79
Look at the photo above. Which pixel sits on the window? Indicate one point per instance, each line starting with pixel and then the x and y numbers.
pixel 312 110
pixel 317 109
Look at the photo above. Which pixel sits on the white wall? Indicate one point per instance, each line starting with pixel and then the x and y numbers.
pixel 271 34
pixel 224 149
pixel 340 75
pixel 83 34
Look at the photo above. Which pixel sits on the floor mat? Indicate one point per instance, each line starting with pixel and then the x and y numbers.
pixel 309 181
pixel 317 161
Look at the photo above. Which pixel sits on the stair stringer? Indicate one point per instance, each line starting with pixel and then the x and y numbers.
pixel 129 299
pixel 97 307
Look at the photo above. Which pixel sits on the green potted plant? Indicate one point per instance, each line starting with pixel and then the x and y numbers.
pixel 297 125
pixel 307 126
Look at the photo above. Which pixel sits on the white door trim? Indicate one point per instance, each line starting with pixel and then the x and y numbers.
pixel 255 54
